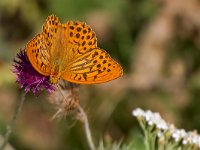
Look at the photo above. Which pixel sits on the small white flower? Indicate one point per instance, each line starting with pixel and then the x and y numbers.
pixel 162 125
pixel 148 116
pixel 198 141
pixel 150 123
pixel 138 112
pixel 192 138
pixel 185 142
pixel 171 128
pixel 160 134
pixel 179 134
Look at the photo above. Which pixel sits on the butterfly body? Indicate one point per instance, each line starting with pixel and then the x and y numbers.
pixel 69 51
pixel 58 51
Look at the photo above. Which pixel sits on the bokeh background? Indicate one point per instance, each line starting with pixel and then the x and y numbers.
pixel 157 42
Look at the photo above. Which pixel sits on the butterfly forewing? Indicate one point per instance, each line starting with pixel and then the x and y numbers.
pixel 50 29
pixel 95 66
pixel 81 38
pixel 38 55
pixel 39 49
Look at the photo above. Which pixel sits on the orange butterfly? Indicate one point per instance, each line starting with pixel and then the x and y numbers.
pixel 69 51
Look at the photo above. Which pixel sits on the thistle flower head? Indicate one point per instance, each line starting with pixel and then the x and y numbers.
pixel 28 77
pixel 64 99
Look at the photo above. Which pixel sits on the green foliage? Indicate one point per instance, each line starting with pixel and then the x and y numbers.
pixel 116 146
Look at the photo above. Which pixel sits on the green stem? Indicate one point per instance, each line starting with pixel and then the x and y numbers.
pixel 147 142
pixel 13 121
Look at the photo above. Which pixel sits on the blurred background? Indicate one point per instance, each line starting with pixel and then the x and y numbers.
pixel 157 42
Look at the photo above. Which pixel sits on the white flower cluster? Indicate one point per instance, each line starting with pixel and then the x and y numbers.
pixel 151 118
pixel 165 128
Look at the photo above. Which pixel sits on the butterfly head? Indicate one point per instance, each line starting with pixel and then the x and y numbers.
pixel 54 79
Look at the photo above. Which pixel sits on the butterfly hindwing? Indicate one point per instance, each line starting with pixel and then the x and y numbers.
pixel 95 66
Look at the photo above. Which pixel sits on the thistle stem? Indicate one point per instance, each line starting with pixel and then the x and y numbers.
pixel 84 119
pixel 13 121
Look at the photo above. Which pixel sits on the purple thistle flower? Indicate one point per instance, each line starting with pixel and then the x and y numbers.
pixel 28 77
